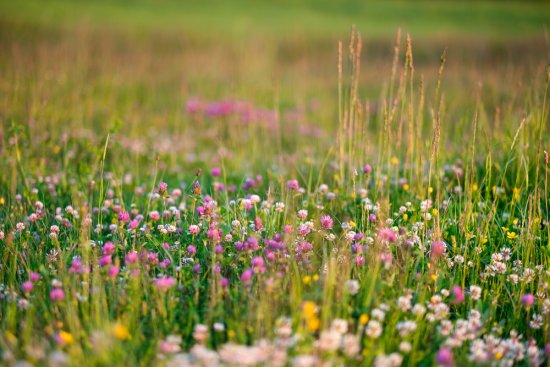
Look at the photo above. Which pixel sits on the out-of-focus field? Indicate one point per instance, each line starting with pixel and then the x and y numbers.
pixel 147 58
pixel 302 183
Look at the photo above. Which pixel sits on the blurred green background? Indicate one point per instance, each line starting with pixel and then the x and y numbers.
pixel 287 18
pixel 77 68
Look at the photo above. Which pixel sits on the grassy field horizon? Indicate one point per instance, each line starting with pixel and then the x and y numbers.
pixel 432 19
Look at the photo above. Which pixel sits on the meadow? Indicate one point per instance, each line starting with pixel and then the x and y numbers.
pixel 286 183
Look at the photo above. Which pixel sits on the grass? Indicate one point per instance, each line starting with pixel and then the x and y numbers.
pixel 169 198
pixel 502 19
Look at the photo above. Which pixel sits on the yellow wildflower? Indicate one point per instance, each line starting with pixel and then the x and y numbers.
pixel 313 324
pixel 121 332
pixel 516 193
pixel 309 310
pixel 66 337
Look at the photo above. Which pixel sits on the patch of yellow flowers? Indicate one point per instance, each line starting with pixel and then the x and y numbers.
pixel 309 315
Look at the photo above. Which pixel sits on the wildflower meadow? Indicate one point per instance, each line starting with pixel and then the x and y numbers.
pixel 263 185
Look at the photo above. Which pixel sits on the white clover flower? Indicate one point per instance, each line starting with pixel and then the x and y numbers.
pixel 418 310
pixel 339 325
pixel 352 286
pixel 350 236
pixel 392 360
pixel 378 314
pixel 305 360
pixel 323 189
pixel 219 327
pixel 475 292
pixel 279 207
pixel 404 303
pixel 351 345
pixel 373 329
pixel 329 340
pixel 406 327
pixel 405 347
pixel 536 322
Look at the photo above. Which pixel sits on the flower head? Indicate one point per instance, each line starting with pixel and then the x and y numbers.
pixel 327 222
pixel 444 357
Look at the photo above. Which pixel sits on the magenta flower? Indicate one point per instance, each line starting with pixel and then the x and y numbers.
pixel 444 358
pixel 305 247
pixel 367 169
pixel 27 286
pixel 327 222
pixel 303 230
pixel 153 258
pixel 163 186
pixel 76 266
pixel 387 235
pixel 191 250
pixel 246 276
pixel 438 249
pixel 113 271
pixel 293 185
pixel 386 258
pixel 257 262
pixel 214 235
pixel 194 229
pixel 193 106
pixel 108 248
pixel 57 295
pixel 131 258
pixel 124 217
pixel 258 223
pixel 34 277
pixel 458 294
pixel 105 260
pixel 133 224
pixel 164 283
pixel 216 172
pixel 527 300
pixel 359 260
